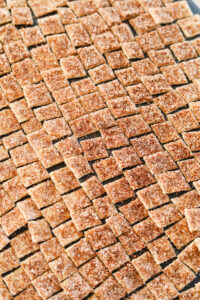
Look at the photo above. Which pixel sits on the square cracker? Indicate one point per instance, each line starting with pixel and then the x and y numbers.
pixel 123 33
pixel 110 289
pixel 16 286
pixel 170 34
pixel 23 155
pixel 56 214
pixel 8 261
pixel 79 165
pixel 51 25
pixel 190 169
pixel 90 57
pixel 114 137
pixel 78 35
pixel 134 211
pixel 190 26
pixel 139 177
pixel 39 230
pixel 126 157
pixel 107 169
pixel 165 215
pixel 191 257
pixel 172 181
pixel 184 50
pixel 193 218
pixel 165 132
pixel 104 207
pixel 10 87
pixel 80 252
pixel 51 249
pixel 7 170
pixel 22 16
pixel 61 45
pixel 28 209
pixel 174 75
pixel 44 58
pixel 32 36
pixel 76 200
pixel 85 218
pixel 146 145
pixel 62 267
pixel 105 42
pixel 46 284
pixel 160 162
pixel 118 224
pixel 156 84
pixel 93 187
pixel 103 118
pixel 170 101
pixel 186 201
pixel 57 128
pixel 67 233
pixel 35 265
pixel 119 190
pixel 72 67
pixel 139 93
pixel 33 173
pixel 131 242
pixel 147 230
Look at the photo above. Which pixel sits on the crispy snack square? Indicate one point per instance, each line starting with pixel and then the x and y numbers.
pixel 62 267
pixel 192 140
pixel 190 169
pixel 123 33
pixel 127 76
pixel 64 95
pixel 146 266
pixel 23 155
pixel 64 180
pixel 101 73
pixel 8 261
pixel 6 202
pixel 165 132
pixel 100 237
pixel 90 57
pixel 23 245
pixel 66 15
pixel 35 265
pixel 146 145
pixel 118 224
pixel 111 90
pixel 110 15
pixel 21 110
pixel 3 239
pixel 44 194
pixel 93 187
pixel 94 24
pixel 16 286
pixel 106 169
pixel 160 162
pixel 170 101
pixel 10 88
pixel 44 58
pixel 172 181
pixel 47 112
pixel 54 79
pixel 76 200
pixel 85 218
pixel 113 256
pixel 183 50
pixel 78 35
pixel 94 271
pixel 80 252
pixel 61 45
pixel 160 15
pixel 83 7
pixel 12 220
pixel 128 9
pixel 32 36
pixel 57 128
pixel 191 68
pixel 51 249
pixel 149 41
pixel 33 173
pixel 22 16
pixel 161 249
pixel 105 42
pixel 126 157
pixel 56 214
pixel 190 256
pixel 131 242
pixel 67 233
pixel 119 190
pixel 7 170
pixel 92 102
pixel 180 234
pixel 72 67
pixel 156 84
pixel 110 289
pixel 193 219
pixel 46 284
pixel 104 207
pixel 161 287
pixel 145 67
pixel 82 126
pixel 147 230
pixel 190 26
pixel 133 126
pixel 42 7
pixel 162 57
pixel 69 147
pixel 4 65
pixel 28 209
pixel 134 211
pixel 51 25
pixel 151 114
pixel 79 165
pixel 170 34
pixel 15 139
pixel 174 75
pixel 72 110
pixel 37 94
pixel 143 23
pixel 39 230
pixel 75 286
pixel 165 215
pixel 139 177
pixel 179 274
pixel 139 93
pixel 83 87
pixel 187 200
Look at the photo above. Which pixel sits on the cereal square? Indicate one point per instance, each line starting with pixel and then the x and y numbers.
pixel 172 182
pixel 54 79
pixel 191 68
pixel 3 239
pixel 118 59
pixel 6 202
pixel 72 67
pixel 39 230
pixel 132 51
pixel 110 15
pixel 35 265
pixel 61 45
pixel 165 215
pixel 128 9
pixel 90 57
pixel 106 169
pixel 149 41
pixel 162 57
pixel 151 114
pixel 146 145
pixel 44 58
pixel 62 267
pixel 94 24
pixel 33 173
pixel 8 261
pixel 139 177
pixel 190 26
pixel 46 284
pixel 16 51
pixel 156 84
pixel 16 286
pixel 56 214
pixel 100 237
pixel 111 90
pixel 190 256
pixel 190 169
pixel 9 33
pixel 160 15
pixel 85 218
pixel 161 249
pixel 22 16
pixel 179 274
pixel 47 112
pixel 83 7
pixel 10 88
pixel 178 10
pixel 93 187
pixel 160 162
pixel 103 119
pixel 57 128
pixel 142 293
pixel 12 221
pixel 4 65
pixel 23 155
pixel 67 233
pixel 113 256
pixel 145 67
pixel 4 15
pixel 119 190
pixel 69 147
pixel 66 15
pixel 152 196
pixel 51 249
pixel 114 137
pixel 42 7
pixel 37 94
pixel 139 93
pixel 78 35
pixel 32 36
pixel 127 76
pixel 183 50
pixel 180 235
pixel 183 120
pixel 21 110
pixel 105 42
pixel 174 75
pixel 83 87
pixel 143 23
pixel 193 218
pixel 82 126
pixel 170 101
pixel 170 34
pixel 129 278
pixel 94 271
pixel 104 207
pixel 64 95
pixel 146 266
pixel 101 73
pixel 192 140
pixel 123 33
pixel 131 242
pixel 26 72
pixel 165 132
pixel 75 286
pixel 78 165
pixel 110 289
pixel 133 126
pixel 126 157
pixel 92 102
pixel 76 200
pixel 64 180
pixel 29 209
pixel 161 287
pixel 51 25
pixel 118 224
pixel 147 230
pixel 72 110
pixel 80 252
pixel 187 200
pixel 94 149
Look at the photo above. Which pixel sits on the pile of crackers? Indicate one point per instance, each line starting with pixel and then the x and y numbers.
pixel 99 150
